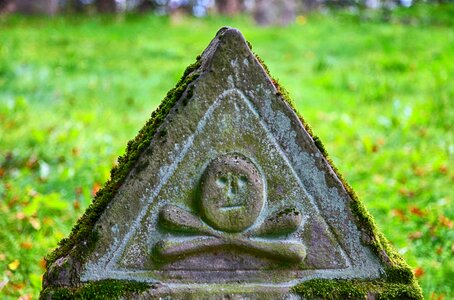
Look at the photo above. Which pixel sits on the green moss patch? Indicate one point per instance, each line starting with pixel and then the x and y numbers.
pixel 106 289
pixel 356 289
pixel 82 234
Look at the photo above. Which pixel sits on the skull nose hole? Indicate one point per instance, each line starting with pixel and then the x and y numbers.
pixel 233 187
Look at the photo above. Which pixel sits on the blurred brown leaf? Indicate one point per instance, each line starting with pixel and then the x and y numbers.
pixel 18 286
pixel 417 211
pixel 20 216
pixel 418 272
pixel 400 214
pixel 419 171
pixel 406 192
pixel 43 263
pixel 435 296
pixel 415 235
pixel 95 188
pixel 76 204
pixel 439 250
pixel 446 222
pixel 75 151
pixel 32 162
pixel 26 245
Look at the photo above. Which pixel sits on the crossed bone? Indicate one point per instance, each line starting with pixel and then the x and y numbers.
pixel 283 222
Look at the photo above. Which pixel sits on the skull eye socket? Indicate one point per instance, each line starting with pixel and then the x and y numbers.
pixel 242 180
pixel 222 181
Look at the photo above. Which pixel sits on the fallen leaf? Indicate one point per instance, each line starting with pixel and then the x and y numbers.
pixel 13 201
pixel 417 211
pixel 422 131
pixel 415 235
pixel 2 172
pixel 14 265
pixel 418 272
pixel 95 188
pixel 400 214
pixel 75 151
pixel 406 192
pixel 25 297
pixel 32 162
pixel 439 250
pixel 375 148
pixel 76 204
pixel 443 169
pixel 43 263
pixel 18 286
pixel 26 245
pixel 20 216
pixel 419 171
pixel 435 296
pixel 35 223
pixel 446 222
pixel 3 256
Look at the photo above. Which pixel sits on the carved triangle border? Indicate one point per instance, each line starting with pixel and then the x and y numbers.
pixel 110 270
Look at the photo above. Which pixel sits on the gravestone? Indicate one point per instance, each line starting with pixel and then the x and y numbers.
pixel 225 193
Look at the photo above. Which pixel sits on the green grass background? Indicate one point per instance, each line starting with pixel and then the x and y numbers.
pixel 74 90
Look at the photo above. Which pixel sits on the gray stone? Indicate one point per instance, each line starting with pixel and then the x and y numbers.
pixel 225 194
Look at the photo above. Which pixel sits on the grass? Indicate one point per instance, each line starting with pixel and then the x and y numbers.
pixel 74 90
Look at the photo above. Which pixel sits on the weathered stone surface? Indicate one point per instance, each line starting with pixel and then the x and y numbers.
pixel 225 194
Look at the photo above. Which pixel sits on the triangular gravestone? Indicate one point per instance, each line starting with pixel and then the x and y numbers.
pixel 225 193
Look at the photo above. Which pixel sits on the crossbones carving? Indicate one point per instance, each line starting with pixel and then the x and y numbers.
pixel 231 194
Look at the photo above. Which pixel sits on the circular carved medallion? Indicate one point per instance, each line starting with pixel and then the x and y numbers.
pixel 231 193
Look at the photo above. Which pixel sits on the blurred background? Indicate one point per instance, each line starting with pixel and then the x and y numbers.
pixel 79 78
pixel 264 12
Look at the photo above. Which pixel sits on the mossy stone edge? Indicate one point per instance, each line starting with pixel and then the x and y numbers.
pixel 82 238
pixel 397 273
